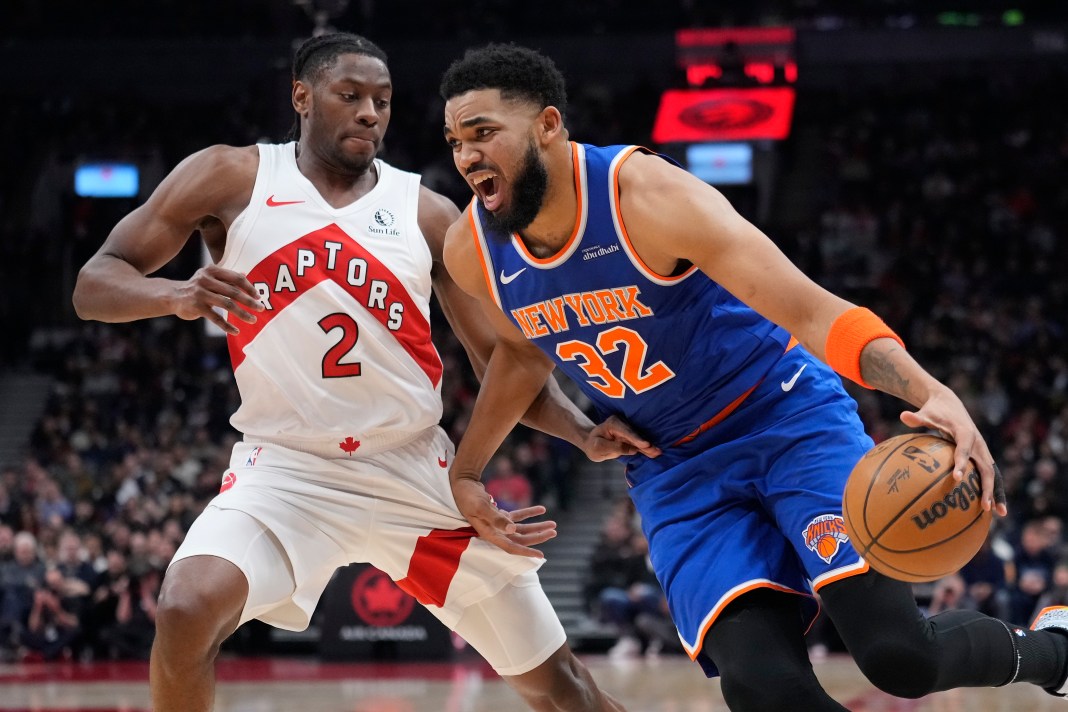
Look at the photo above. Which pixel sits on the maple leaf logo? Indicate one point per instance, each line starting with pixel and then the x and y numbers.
pixel 378 601
pixel 382 596
pixel 349 445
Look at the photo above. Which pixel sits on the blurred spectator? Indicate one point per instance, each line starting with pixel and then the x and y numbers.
pixel 8 508
pixel 621 586
pixel 19 579
pixel 7 544
pixel 510 488
pixel 1057 595
pixel 78 574
pixel 52 625
pixel 1034 570
pixel 986 577
pixel 131 634
pixel 950 594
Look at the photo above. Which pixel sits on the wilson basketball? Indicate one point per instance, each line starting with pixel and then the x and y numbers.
pixel 907 516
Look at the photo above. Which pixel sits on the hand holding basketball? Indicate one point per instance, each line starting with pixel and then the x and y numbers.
pixel 906 513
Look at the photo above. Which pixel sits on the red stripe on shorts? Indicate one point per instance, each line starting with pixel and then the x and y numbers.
pixel 434 563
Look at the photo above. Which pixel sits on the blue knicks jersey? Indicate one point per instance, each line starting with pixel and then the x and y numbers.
pixel 665 353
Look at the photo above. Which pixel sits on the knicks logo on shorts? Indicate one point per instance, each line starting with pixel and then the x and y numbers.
pixel 228 481
pixel 824 535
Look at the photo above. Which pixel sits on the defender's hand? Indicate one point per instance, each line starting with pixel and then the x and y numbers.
pixel 212 286
pixel 615 438
pixel 502 529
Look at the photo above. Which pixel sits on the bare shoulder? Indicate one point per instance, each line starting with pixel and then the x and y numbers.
pixel 226 162
pixel 645 174
pixel 216 180
pixel 658 198
pixel 436 213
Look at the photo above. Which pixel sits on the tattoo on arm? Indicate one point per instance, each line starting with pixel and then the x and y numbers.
pixel 880 371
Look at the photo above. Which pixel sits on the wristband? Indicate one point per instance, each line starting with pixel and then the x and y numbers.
pixel 854 329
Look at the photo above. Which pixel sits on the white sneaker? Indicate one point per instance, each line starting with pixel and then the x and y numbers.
pixel 1055 617
pixel 627 647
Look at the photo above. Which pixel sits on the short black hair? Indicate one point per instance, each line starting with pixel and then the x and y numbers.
pixel 317 53
pixel 518 72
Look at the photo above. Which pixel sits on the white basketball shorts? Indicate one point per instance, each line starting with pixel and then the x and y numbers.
pixel 288 519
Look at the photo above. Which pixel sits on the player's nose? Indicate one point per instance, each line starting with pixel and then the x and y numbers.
pixel 365 112
pixel 467 157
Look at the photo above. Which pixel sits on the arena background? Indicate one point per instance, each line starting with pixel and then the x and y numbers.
pixel 908 155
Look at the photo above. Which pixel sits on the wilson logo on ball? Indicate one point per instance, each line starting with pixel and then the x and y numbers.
pixel 960 497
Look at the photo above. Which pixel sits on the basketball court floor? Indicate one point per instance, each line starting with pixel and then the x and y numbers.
pixel 669 683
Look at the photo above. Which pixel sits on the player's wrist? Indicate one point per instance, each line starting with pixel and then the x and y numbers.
pixel 850 334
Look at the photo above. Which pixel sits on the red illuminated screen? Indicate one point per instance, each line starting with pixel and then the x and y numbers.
pixel 724 115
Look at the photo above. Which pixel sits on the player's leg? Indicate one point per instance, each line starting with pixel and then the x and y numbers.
pixel 518 633
pixel 203 600
pixel 199 606
pixel 758 645
pixel 908 655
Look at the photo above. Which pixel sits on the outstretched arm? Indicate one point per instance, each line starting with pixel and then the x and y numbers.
pixel 701 227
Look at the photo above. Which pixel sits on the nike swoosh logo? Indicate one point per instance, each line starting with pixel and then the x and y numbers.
pixel 272 203
pixel 788 386
pixel 507 279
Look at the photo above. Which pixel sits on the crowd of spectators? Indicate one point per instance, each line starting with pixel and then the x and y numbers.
pixel 940 206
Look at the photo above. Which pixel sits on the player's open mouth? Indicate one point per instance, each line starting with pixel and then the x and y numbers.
pixel 488 187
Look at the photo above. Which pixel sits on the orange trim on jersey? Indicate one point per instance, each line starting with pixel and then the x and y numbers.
pixel 718 417
pixel 577 171
pixel 481 256
pixel 719 609
pixel 730 407
pixel 623 228
pixel 843 575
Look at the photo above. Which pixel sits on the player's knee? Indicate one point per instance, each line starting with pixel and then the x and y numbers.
pixel 898 669
pixel 194 616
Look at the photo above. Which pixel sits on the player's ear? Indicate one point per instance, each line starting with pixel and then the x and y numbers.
pixel 301 97
pixel 550 124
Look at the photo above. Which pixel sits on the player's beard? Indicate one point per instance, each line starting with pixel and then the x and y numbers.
pixel 528 193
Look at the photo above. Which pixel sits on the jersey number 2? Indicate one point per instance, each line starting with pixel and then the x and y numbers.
pixel 634 374
pixel 350 332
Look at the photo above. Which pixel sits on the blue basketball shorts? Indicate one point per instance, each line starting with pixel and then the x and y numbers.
pixel 756 501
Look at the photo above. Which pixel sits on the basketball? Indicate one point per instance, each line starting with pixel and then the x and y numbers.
pixel 907 516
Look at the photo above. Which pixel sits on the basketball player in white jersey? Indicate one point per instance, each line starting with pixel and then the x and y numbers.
pixel 324 261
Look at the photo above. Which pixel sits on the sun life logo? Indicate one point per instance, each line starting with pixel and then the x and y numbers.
pixel 384 220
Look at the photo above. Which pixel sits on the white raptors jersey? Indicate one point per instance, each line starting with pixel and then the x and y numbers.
pixel 342 351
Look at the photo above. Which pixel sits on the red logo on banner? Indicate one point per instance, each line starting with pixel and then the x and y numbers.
pixel 724 115
pixel 378 601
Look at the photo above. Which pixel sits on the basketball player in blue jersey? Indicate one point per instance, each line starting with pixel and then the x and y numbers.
pixel 291 231
pixel 675 314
